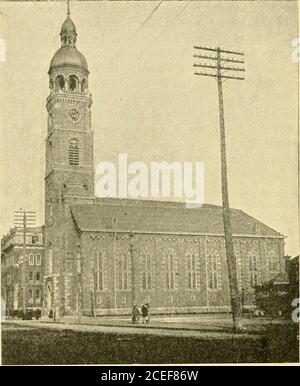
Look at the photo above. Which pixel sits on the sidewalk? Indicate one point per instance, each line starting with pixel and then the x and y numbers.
pixel 187 326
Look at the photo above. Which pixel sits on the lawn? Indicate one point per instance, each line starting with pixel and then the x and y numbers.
pixel 47 346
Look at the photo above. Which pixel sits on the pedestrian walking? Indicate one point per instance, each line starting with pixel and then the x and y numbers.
pixel 135 314
pixel 145 313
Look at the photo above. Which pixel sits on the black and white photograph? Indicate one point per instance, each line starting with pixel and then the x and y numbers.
pixel 149 184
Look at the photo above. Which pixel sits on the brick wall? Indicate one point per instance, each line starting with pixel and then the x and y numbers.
pixel 180 297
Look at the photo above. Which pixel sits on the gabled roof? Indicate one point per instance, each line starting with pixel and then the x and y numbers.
pixel 161 216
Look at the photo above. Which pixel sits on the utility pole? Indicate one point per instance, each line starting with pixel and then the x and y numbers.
pixel 215 63
pixel 132 260
pixel 115 263
pixel 23 219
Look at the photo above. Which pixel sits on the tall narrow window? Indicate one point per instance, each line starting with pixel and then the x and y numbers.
pixel 192 270
pixel 78 260
pixel 73 81
pixel 30 296
pixel 273 261
pixel 147 274
pixel 74 152
pixel 99 257
pixel 123 271
pixel 170 270
pixel 59 83
pixel 83 85
pixel 38 259
pixel 253 269
pixel 238 262
pixel 50 261
pixel 31 259
pixel 212 270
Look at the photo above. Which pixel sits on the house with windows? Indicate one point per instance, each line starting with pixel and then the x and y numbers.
pixel 102 255
pixel 17 272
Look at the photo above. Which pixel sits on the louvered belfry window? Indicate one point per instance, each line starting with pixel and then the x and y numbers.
pixel 74 152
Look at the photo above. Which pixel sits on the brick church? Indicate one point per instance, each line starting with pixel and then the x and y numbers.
pixel 104 254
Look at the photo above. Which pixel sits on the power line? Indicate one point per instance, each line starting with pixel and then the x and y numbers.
pixel 140 26
pixel 167 26
pixel 147 18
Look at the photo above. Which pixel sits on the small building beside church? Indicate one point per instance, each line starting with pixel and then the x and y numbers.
pixel 105 254
pixel 13 269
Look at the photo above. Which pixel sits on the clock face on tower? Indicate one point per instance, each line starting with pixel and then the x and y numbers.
pixel 74 115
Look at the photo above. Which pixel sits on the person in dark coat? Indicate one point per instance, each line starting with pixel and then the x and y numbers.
pixel 135 314
pixel 37 314
pixel 145 313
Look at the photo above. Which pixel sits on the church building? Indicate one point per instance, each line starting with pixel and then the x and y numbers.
pixel 105 254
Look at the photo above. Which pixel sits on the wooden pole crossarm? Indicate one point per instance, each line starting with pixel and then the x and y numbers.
pixel 222 76
pixel 205 57
pixel 232 60
pixel 221 68
pixel 220 50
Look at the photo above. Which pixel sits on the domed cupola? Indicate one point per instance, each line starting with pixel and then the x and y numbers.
pixel 68 68
pixel 68 54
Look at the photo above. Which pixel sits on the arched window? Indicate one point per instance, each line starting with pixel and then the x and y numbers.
pixel 214 270
pixel 78 258
pixel 50 261
pixel 59 83
pixel 123 270
pixel 147 272
pixel 31 259
pixel 84 85
pixel 171 269
pixel 99 271
pixel 74 152
pixel 252 269
pixel 192 258
pixel 73 82
pixel 30 296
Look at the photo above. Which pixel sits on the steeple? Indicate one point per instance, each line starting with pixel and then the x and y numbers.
pixel 68 55
pixel 68 8
pixel 68 30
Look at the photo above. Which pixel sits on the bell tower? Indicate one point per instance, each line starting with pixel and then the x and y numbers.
pixel 69 177
pixel 69 143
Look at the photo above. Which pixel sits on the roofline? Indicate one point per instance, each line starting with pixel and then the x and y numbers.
pixel 177 233
pixel 176 204
pixel 255 219
pixel 141 201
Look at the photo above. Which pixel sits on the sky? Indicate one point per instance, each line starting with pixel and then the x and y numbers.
pixel 148 103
